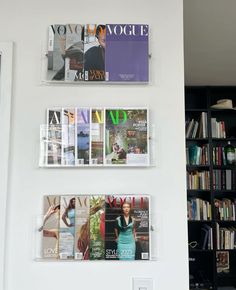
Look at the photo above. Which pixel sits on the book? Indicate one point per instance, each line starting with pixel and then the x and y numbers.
pixel 97 227
pixel 74 52
pixel 126 136
pixel 56 52
pixel 50 226
pixel 97 136
pixel 68 136
pixel 94 52
pixel 67 227
pixel 82 227
pixel 54 136
pixel 83 135
pixel 127 227
pixel 127 52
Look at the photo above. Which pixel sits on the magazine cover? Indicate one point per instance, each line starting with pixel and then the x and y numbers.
pixel 50 226
pixel 222 260
pixel 54 137
pixel 74 52
pixel 126 136
pixel 68 136
pixel 56 52
pixel 97 227
pixel 127 52
pixel 127 227
pixel 94 52
pixel 83 135
pixel 67 227
pixel 82 233
pixel 97 136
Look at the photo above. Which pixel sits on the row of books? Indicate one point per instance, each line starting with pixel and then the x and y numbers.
pixel 225 209
pixel 198 180
pixel 219 156
pixel 218 128
pixel 197 155
pixel 197 128
pixel 96 227
pixel 199 209
pixel 98 52
pixel 224 179
pixel 90 136
pixel 206 242
pixel 225 238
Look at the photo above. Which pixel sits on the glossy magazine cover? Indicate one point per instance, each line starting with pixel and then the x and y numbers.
pixel 127 52
pixel 94 52
pixel 68 136
pixel 54 136
pixel 127 227
pixel 83 135
pixel 126 136
pixel 50 226
pixel 82 232
pixel 97 136
pixel 74 52
pixel 67 227
pixel 97 227
pixel 56 52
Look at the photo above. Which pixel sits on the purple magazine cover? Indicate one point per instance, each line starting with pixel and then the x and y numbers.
pixel 127 52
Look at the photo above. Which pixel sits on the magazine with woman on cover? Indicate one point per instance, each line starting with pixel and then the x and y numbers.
pixel 127 227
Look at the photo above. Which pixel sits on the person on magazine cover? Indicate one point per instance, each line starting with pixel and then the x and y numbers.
pixel 94 58
pixel 69 214
pixel 125 234
pixel 52 233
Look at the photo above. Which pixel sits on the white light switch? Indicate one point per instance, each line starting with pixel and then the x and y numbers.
pixel 142 284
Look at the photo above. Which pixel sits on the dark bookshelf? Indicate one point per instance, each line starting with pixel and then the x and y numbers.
pixel 203 262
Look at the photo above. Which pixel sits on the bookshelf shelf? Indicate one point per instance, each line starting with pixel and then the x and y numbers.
pixel 197 139
pixel 200 251
pixel 198 102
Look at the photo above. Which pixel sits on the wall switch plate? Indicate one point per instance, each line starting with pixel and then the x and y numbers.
pixel 142 284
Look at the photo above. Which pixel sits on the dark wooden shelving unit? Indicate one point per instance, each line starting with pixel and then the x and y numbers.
pixel 202 262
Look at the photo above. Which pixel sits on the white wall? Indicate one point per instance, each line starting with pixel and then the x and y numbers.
pixel 26 22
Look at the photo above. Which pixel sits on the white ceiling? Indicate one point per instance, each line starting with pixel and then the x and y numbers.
pixel 210 42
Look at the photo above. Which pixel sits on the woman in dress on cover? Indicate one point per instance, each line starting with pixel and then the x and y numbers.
pixel 125 234
pixel 69 214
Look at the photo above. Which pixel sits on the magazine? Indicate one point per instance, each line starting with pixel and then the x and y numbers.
pixel 127 136
pixel 127 227
pixel 82 230
pixel 67 227
pixel 68 136
pixel 222 260
pixel 56 52
pixel 83 135
pixel 54 137
pixel 97 227
pixel 74 52
pixel 127 52
pixel 94 52
pixel 97 136
pixel 50 226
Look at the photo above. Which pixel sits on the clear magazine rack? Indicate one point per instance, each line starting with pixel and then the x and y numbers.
pixel 49 254
pixel 46 77
pixel 58 149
